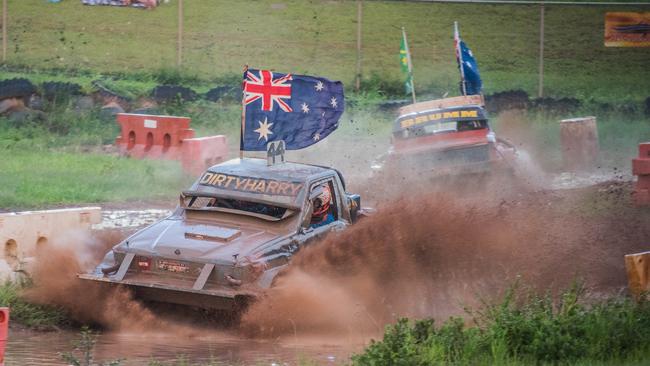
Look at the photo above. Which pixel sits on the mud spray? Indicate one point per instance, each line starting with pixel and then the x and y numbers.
pixel 433 256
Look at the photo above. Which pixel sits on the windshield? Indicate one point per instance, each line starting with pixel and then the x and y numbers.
pixel 441 127
pixel 236 206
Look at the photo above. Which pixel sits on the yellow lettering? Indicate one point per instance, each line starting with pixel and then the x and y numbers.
pixel 283 188
pixel 272 187
pixel 468 114
pixel 230 179
pixel 218 181
pixel 240 183
pixel 421 119
pixel 261 186
pixel 295 188
pixel 206 178
pixel 250 185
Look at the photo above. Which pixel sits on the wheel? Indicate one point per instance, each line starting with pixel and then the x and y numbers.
pixel 16 88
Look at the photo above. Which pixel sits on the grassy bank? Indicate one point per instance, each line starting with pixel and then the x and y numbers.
pixel 320 38
pixel 523 329
pixel 28 314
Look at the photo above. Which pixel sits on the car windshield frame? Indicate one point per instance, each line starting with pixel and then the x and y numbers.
pixel 269 211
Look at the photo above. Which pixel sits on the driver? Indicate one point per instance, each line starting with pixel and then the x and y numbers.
pixel 321 214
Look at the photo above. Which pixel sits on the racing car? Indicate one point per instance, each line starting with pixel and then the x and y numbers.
pixel 233 231
pixel 443 137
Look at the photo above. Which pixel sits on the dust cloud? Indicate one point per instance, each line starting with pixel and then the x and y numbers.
pixel 55 283
pixel 433 255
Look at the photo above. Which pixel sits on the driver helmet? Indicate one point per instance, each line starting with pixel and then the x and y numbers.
pixel 322 202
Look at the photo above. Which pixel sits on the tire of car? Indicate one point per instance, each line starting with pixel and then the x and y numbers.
pixel 172 93
pixel 222 92
pixel 16 88
pixel 57 89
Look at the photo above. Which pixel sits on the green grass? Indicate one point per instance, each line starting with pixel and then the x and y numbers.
pixel 522 329
pixel 36 179
pixel 319 38
pixel 28 314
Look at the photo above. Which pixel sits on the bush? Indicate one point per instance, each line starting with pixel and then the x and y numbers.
pixel 28 314
pixel 531 329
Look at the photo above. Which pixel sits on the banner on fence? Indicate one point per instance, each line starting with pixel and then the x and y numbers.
pixel 627 29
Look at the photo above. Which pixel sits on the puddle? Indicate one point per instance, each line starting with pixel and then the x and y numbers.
pixel 34 348
pixel 130 219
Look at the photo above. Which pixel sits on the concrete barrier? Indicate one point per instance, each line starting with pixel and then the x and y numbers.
pixel 22 234
pixel 637 267
pixel 201 153
pixel 167 137
pixel 579 139
pixel 641 168
pixel 152 136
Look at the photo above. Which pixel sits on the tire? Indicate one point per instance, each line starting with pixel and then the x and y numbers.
pixel 173 93
pixel 56 89
pixel 16 88
pixel 222 92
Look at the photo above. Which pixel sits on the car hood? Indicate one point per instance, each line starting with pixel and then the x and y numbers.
pixel 216 242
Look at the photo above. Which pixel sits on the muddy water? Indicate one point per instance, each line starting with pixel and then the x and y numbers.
pixel 37 348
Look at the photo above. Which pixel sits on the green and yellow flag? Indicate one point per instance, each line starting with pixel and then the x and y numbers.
pixel 405 63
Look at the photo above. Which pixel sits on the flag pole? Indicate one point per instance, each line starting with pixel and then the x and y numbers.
pixel 242 129
pixel 410 65
pixel 459 55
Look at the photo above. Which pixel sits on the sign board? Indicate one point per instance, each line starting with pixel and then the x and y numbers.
pixel 150 123
pixel 275 152
pixel 627 29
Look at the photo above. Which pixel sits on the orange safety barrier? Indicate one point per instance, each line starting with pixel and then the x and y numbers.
pixel 169 137
pixel 152 136
pixel 203 152
pixel 4 333
pixel 641 168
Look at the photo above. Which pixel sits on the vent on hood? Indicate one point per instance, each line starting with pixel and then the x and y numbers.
pixel 212 233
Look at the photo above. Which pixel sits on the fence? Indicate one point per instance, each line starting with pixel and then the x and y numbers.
pixel 338 39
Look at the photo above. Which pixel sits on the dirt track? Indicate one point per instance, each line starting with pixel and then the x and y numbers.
pixel 429 255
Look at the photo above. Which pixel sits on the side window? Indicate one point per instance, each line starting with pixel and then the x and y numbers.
pixel 324 203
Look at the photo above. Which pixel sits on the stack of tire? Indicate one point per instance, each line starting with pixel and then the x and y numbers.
pixel 15 95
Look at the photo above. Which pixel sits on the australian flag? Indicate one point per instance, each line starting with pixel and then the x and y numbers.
pixel 473 83
pixel 299 109
pixel 470 77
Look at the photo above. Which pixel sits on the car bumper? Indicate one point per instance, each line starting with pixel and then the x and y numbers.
pixel 211 298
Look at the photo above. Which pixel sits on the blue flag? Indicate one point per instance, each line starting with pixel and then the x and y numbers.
pixel 473 83
pixel 299 109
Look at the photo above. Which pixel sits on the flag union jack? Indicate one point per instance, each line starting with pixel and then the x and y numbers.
pixel 271 90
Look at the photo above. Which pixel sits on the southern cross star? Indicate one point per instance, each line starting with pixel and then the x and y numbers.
pixel 264 130
pixel 305 108
pixel 319 86
pixel 333 102
pixel 316 136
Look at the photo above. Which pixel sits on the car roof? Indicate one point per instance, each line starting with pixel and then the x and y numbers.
pixel 258 168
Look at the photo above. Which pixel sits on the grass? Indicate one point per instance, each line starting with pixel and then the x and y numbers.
pixel 522 328
pixel 28 314
pixel 319 38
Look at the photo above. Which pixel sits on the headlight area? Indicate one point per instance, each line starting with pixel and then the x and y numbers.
pixel 187 273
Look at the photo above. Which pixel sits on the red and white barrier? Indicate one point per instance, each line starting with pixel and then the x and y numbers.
pixel 4 333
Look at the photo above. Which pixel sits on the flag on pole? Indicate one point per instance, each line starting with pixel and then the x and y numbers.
pixel 470 78
pixel 405 63
pixel 299 109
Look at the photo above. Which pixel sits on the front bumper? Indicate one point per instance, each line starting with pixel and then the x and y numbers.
pixel 220 298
